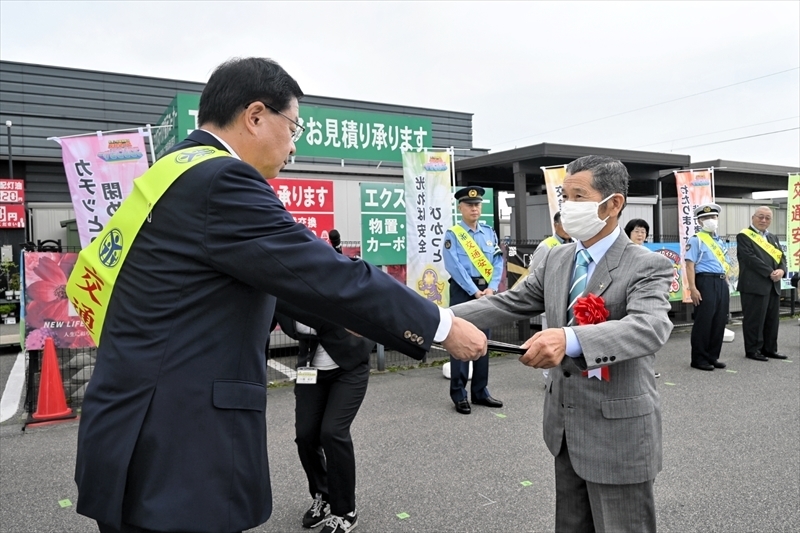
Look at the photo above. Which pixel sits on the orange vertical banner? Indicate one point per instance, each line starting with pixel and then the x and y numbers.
pixel 695 188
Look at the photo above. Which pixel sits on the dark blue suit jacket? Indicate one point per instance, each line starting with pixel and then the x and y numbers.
pixel 173 431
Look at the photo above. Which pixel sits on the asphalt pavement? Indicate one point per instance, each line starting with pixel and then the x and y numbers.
pixel 731 453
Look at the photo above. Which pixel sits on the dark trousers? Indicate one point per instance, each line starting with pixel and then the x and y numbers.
pixel 459 370
pixel 761 314
pixel 324 413
pixel 127 528
pixel 583 506
pixel 710 318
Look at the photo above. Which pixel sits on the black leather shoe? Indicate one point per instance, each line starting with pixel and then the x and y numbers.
pixel 702 366
pixel 756 356
pixel 775 355
pixel 463 407
pixel 718 364
pixel 488 402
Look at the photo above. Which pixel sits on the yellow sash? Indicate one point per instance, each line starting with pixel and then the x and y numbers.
pixel 715 248
pixel 92 280
pixel 551 242
pixel 474 252
pixel 764 244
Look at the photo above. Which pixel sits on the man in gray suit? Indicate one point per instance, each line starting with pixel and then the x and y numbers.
pixel 602 415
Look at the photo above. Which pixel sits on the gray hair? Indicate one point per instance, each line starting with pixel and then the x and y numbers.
pixel 609 175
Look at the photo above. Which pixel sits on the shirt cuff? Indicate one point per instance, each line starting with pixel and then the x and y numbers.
pixel 445 323
pixel 574 348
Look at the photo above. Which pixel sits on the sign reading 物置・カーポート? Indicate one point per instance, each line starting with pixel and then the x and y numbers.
pixel 383 221
pixel 350 134
pixel 329 132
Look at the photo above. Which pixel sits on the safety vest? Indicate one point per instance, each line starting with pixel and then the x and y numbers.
pixel 92 280
pixel 474 252
pixel 764 244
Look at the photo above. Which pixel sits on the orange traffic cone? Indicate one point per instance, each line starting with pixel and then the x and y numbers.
pixel 52 403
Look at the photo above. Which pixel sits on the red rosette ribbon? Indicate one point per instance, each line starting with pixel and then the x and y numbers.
pixel 587 310
pixel 590 309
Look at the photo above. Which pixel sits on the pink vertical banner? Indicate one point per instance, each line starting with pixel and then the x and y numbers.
pixel 695 188
pixel 100 172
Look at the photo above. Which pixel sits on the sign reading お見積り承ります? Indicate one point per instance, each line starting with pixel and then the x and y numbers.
pixel 329 132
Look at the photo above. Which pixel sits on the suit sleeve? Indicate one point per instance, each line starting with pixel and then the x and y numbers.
pixel 250 236
pixel 521 302
pixel 646 326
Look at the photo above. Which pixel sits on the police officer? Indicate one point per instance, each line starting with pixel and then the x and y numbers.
pixel 474 261
pixel 707 265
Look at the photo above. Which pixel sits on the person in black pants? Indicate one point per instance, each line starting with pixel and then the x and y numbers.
pixel 762 264
pixel 707 266
pixel 338 364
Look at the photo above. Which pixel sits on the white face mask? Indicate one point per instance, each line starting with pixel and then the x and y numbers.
pixel 580 219
pixel 710 225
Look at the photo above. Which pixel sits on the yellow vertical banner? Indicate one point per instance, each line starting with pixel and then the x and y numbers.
pixel 793 224
pixel 429 214
pixel 694 189
pixel 554 182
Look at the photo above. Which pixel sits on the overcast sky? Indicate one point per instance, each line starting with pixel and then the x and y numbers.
pixel 530 72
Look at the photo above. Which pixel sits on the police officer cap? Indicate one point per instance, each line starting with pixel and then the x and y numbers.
pixel 707 210
pixel 472 194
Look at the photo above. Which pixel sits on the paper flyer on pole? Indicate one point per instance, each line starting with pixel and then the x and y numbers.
pixel 694 189
pixel 429 215
pixel 100 172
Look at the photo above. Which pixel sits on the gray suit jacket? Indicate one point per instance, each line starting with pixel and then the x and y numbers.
pixel 613 429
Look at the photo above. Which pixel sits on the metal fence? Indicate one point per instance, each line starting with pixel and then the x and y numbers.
pixel 76 365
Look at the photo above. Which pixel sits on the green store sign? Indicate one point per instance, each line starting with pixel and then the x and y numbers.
pixel 383 221
pixel 176 123
pixel 350 134
pixel 331 133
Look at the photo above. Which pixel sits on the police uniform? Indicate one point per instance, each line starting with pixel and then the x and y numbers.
pixel 465 281
pixel 711 315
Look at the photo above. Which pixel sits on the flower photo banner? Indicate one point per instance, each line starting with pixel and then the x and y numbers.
pixel 48 312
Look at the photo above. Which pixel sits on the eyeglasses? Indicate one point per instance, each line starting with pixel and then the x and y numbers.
pixel 762 217
pixel 297 133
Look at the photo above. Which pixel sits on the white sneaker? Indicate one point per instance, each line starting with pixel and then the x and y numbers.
pixel 341 524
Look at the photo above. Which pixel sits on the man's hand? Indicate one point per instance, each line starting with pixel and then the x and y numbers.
pixel 546 349
pixel 776 275
pixel 696 298
pixel 478 294
pixel 465 342
pixel 488 292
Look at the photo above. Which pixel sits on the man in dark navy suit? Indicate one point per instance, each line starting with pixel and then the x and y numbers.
pixel 173 430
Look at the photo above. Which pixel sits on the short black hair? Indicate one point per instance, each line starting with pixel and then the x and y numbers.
pixel 637 223
pixel 557 218
pixel 238 83
pixel 609 175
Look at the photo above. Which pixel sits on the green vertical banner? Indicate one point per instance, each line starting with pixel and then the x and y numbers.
pixel 429 213
pixel 793 224
pixel 383 223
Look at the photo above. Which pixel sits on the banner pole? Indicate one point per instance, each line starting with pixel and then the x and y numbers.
pixel 150 143
pixel 452 153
